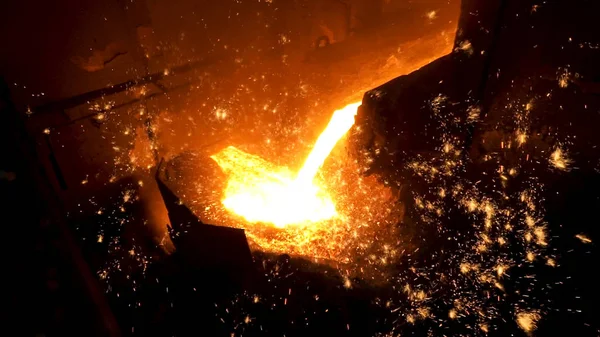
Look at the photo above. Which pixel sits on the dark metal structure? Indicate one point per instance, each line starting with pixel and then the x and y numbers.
pixel 517 68
pixel 395 118
pixel 503 48
pixel 221 252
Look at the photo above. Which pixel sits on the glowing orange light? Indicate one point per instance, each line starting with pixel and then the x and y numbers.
pixel 259 191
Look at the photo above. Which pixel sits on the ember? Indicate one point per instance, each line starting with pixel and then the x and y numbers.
pixel 261 192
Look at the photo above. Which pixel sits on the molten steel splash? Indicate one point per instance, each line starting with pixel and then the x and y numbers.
pixel 259 191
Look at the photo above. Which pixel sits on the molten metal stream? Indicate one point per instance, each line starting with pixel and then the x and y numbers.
pixel 259 191
pixel 341 121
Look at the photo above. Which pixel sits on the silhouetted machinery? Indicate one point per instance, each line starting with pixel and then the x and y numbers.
pixel 507 53
pixel 218 253
pixel 394 118
pixel 518 86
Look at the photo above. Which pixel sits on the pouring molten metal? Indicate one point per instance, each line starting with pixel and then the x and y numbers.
pixel 259 191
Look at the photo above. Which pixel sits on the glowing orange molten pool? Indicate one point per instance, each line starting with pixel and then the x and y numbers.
pixel 259 191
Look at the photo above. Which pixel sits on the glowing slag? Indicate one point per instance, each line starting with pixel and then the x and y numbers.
pixel 259 191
